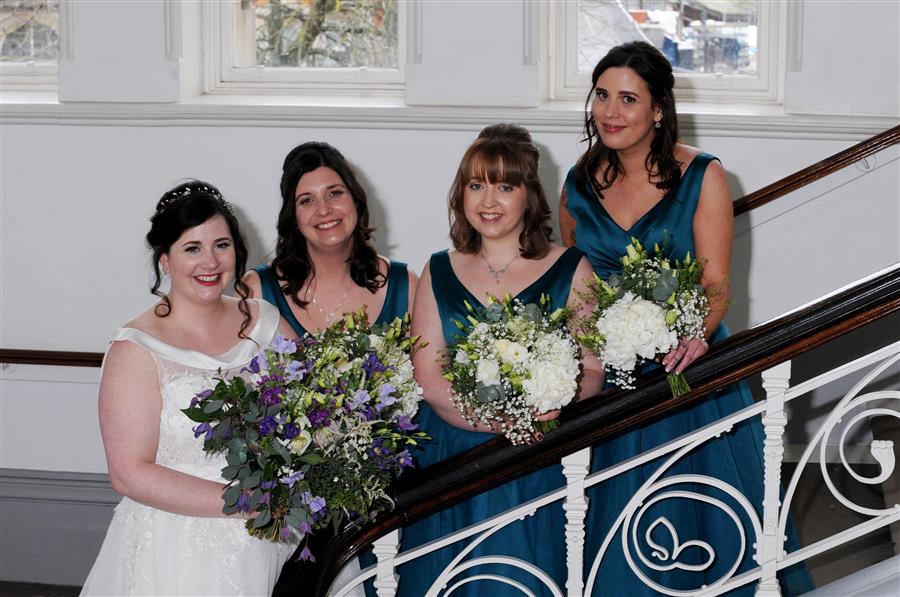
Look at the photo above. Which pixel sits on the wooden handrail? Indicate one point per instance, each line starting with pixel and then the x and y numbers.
pixel 801 178
pixel 746 203
pixel 51 357
pixel 496 461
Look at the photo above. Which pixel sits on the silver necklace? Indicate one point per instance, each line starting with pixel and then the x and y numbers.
pixel 330 315
pixel 495 271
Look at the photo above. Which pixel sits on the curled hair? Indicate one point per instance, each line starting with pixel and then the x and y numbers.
pixel 187 205
pixel 656 71
pixel 502 153
pixel 292 264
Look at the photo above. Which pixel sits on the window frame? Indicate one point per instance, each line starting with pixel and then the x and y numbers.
pixel 28 76
pixel 767 87
pixel 222 76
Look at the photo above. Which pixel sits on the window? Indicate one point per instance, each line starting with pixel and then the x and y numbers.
pixel 317 45
pixel 29 43
pixel 720 50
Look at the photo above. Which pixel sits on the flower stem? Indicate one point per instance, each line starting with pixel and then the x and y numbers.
pixel 678 384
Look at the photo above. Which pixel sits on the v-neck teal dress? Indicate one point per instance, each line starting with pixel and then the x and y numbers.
pixel 734 457
pixel 396 303
pixel 538 539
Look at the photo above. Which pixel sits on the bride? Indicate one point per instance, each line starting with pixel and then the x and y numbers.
pixel 169 535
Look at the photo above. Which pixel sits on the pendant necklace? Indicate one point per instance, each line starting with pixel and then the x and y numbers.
pixel 495 271
pixel 330 315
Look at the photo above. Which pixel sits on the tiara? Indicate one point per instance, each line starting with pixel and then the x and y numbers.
pixel 173 196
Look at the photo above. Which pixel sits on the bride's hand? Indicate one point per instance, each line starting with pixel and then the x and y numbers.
pixel 687 351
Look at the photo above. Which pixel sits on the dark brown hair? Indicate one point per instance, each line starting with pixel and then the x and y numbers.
pixel 656 71
pixel 187 205
pixel 502 153
pixel 292 264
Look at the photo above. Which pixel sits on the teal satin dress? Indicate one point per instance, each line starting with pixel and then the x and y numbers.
pixel 396 303
pixel 734 457
pixel 539 539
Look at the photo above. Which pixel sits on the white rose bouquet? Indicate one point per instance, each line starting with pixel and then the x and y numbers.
pixel 317 430
pixel 516 361
pixel 643 313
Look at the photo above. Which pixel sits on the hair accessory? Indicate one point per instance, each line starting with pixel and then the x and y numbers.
pixel 657 124
pixel 173 196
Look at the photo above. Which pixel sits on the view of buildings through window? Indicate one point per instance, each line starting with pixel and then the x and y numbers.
pixel 29 31
pixel 697 36
pixel 316 33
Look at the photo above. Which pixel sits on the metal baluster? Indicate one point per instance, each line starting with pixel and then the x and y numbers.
pixel 385 550
pixel 575 468
pixel 770 547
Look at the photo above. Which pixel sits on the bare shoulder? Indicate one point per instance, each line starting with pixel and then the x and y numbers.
pixel 124 358
pixel 685 154
pixel 147 321
pixel 251 279
pixel 555 252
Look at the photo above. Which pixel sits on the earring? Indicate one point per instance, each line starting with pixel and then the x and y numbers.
pixel 657 124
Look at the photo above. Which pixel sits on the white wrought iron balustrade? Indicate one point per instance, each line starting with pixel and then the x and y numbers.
pixel 766 535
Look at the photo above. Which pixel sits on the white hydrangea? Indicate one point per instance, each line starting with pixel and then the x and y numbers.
pixel 634 327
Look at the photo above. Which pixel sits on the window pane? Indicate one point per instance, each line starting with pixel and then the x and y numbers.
pixel 29 30
pixel 710 36
pixel 316 33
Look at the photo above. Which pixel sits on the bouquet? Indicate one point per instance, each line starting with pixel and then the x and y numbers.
pixel 514 362
pixel 318 430
pixel 643 312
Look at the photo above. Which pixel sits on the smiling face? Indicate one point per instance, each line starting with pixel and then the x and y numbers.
pixel 201 262
pixel 495 210
pixel 624 111
pixel 326 215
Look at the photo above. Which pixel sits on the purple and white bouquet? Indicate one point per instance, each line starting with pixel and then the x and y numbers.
pixel 515 361
pixel 643 313
pixel 317 430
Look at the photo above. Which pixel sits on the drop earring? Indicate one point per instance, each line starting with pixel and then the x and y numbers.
pixel 657 124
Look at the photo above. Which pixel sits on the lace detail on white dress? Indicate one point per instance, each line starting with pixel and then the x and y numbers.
pixel 152 552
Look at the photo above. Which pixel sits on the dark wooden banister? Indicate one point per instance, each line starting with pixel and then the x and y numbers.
pixel 746 203
pixel 801 178
pixel 496 461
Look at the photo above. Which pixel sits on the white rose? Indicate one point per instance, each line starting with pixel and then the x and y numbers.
pixel 550 387
pixel 488 372
pixel 300 443
pixel 461 357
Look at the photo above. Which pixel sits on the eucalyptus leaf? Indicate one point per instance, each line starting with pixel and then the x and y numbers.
pixel 533 313
pixel 255 496
pixel 212 406
pixel 485 394
pixel 230 472
pixel 494 312
pixel 230 496
pixel 251 481
pixel 312 458
pixel 262 519
pixel 196 415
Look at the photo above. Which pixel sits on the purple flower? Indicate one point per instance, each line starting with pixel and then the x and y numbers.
pixel 404 424
pixel 315 504
pixel 290 431
pixel 265 498
pixel 385 398
pixel 367 413
pixel 286 533
pixel 404 459
pixel 243 503
pixel 267 425
pixel 295 371
pixel 203 428
pixel 267 485
pixel 304 528
pixel 269 396
pixel 282 345
pixel 360 398
pixel 306 555
pixel 318 417
pixel 253 367
pixel 291 479
pixel 200 396
pixel 372 364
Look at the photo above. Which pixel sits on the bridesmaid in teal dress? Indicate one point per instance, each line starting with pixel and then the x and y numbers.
pixel 501 235
pixel 325 264
pixel 636 181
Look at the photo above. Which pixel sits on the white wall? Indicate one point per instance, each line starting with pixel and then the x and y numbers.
pixel 78 181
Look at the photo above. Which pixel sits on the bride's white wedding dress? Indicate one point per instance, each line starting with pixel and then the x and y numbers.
pixel 152 552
